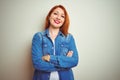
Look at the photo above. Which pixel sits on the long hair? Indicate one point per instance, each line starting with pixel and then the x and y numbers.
pixel 65 26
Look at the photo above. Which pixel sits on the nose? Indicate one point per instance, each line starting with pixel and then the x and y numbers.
pixel 58 17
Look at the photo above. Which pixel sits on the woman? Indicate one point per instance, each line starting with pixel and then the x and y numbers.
pixel 54 52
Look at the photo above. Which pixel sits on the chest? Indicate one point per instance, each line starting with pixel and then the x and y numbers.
pixel 60 46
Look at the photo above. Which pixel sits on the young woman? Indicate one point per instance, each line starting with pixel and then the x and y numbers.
pixel 54 52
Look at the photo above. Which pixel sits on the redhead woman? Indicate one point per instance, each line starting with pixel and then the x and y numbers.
pixel 54 51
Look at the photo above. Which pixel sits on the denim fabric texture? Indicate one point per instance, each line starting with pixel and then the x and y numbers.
pixel 43 45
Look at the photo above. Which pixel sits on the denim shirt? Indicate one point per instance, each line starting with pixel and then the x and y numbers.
pixel 43 45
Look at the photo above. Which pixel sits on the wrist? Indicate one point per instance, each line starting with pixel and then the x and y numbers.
pixel 46 58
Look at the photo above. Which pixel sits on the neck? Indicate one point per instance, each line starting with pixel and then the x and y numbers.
pixel 53 31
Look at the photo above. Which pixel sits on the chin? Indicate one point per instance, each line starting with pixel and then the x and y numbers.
pixel 57 26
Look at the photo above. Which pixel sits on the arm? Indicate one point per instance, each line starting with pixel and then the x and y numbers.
pixel 68 61
pixel 38 63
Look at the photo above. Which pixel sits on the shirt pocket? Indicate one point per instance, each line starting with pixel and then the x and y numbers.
pixel 63 49
pixel 45 49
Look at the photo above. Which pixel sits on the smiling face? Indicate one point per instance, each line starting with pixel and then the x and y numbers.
pixel 57 18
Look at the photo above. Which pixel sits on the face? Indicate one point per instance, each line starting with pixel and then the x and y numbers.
pixel 57 18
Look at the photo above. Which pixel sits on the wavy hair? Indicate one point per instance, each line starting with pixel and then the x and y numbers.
pixel 65 26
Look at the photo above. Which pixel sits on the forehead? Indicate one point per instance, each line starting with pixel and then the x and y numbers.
pixel 59 10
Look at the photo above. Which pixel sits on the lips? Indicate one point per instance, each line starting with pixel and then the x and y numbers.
pixel 57 21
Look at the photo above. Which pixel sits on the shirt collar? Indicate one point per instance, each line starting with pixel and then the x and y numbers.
pixel 59 34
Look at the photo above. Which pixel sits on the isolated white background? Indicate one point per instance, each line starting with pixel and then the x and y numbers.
pixel 95 25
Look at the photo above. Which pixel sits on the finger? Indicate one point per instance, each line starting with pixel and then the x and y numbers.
pixel 69 54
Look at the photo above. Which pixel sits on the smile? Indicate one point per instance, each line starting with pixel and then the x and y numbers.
pixel 57 21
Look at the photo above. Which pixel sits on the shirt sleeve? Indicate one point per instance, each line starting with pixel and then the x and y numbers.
pixel 64 61
pixel 37 54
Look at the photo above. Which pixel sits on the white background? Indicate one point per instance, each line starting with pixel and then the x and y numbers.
pixel 95 25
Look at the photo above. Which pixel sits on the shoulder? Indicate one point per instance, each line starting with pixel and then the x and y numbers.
pixel 38 35
pixel 69 37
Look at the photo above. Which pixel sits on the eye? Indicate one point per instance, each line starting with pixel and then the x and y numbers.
pixel 63 16
pixel 55 13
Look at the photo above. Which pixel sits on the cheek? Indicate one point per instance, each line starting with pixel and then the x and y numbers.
pixel 52 16
pixel 51 19
pixel 63 20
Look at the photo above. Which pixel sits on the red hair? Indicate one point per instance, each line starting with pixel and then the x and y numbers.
pixel 65 26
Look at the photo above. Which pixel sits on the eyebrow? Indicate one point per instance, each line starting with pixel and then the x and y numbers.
pixel 58 12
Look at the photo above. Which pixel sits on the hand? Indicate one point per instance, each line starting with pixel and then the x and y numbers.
pixel 69 54
pixel 46 58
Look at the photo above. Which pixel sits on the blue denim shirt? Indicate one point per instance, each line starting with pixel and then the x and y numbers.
pixel 42 45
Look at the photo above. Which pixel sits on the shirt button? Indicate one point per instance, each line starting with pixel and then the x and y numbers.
pixel 62 45
pixel 45 45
